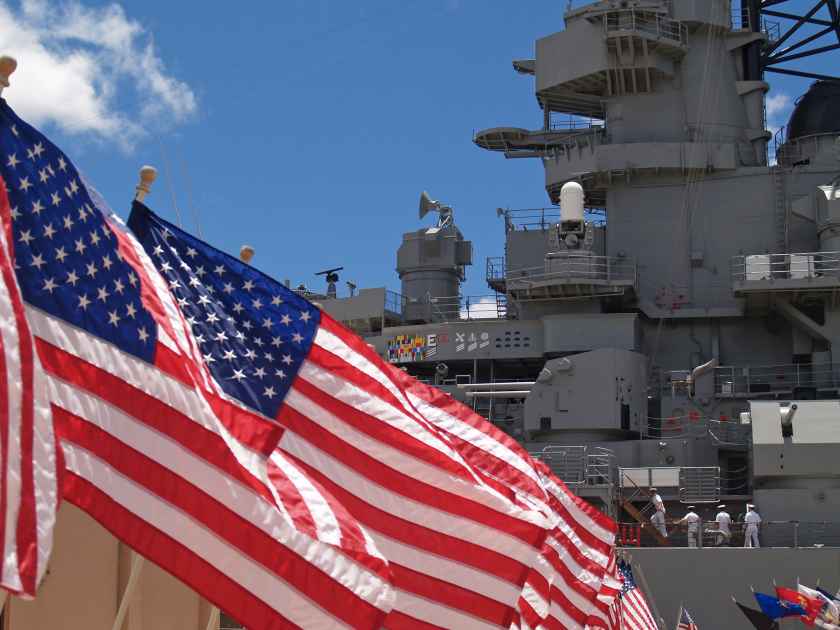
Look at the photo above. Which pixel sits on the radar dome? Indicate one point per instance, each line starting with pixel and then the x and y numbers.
pixel 571 202
pixel 817 111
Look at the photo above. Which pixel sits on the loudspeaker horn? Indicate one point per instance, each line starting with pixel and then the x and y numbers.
pixel 427 204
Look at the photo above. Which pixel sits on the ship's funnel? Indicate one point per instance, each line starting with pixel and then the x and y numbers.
pixel 571 202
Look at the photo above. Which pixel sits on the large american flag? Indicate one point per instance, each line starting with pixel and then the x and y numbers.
pixel 158 447
pixel 236 435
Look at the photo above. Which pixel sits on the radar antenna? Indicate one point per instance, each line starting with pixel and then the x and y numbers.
pixel 332 278
pixel 427 205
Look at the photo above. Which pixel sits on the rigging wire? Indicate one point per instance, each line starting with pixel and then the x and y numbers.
pixel 168 177
pixel 188 182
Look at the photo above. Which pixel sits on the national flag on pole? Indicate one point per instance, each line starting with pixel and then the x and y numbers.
pixel 813 606
pixel 757 618
pixel 160 450
pixel 28 484
pixel 776 608
pixel 631 610
pixel 829 611
pixel 685 622
pixel 462 514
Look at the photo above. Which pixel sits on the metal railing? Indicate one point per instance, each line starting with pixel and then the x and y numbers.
pixel 793 266
pixel 699 484
pixel 495 268
pixel 566 121
pixel 466 308
pixel 782 150
pixel 692 484
pixel 579 465
pixel 577 269
pixel 543 218
pixel 741 20
pixel 723 430
pixel 394 302
pixel 658 26
pixel 779 534
pixel 735 381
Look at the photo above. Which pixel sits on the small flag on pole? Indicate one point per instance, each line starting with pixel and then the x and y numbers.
pixel 758 619
pixel 685 622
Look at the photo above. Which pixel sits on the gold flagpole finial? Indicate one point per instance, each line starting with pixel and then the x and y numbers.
pixel 7 66
pixel 148 174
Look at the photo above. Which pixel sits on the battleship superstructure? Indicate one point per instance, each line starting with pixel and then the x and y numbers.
pixel 675 322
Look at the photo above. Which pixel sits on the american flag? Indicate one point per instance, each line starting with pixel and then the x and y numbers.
pixel 177 347
pixel 631 611
pixel 171 454
pixel 562 585
pixel 28 484
pixel 685 622
pixel 462 514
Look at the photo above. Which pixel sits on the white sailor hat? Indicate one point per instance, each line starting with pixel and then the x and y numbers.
pixel 750 505
pixel 690 507
pixel 721 506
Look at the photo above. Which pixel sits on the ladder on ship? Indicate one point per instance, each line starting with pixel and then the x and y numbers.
pixel 642 516
pixel 780 208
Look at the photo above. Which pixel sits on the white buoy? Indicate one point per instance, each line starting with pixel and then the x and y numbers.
pixel 571 202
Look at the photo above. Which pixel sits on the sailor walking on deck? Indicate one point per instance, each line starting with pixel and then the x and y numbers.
pixel 752 520
pixel 658 518
pixel 692 520
pixel 724 521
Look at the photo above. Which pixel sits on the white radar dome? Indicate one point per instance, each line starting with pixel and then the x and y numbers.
pixel 571 202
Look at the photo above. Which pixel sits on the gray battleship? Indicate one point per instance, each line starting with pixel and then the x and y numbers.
pixel 673 321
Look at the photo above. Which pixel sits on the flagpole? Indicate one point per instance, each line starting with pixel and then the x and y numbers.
pixel 660 620
pixel 679 616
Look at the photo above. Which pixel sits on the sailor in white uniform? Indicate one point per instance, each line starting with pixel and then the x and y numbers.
pixel 692 520
pixel 724 521
pixel 752 520
pixel 658 518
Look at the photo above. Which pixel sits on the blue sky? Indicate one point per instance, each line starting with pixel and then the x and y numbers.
pixel 306 128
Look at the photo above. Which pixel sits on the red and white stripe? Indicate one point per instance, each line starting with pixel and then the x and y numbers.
pixel 184 478
pixel 459 547
pixel 635 613
pixel 563 584
pixel 460 512
pixel 28 484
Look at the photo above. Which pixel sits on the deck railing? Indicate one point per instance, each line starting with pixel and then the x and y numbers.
pixel 657 26
pixel 778 534
pixel 734 381
pixel 577 269
pixel 793 266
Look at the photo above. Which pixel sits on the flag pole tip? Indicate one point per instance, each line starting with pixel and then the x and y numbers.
pixel 7 67
pixel 246 253
pixel 148 174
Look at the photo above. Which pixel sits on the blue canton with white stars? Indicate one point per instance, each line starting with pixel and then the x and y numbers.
pixel 66 256
pixel 254 332
pixel 628 583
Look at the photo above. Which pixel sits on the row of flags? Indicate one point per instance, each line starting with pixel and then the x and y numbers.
pixel 815 607
pixel 233 433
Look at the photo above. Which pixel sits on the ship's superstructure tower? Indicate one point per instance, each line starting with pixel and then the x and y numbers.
pixel 430 264
pixel 691 268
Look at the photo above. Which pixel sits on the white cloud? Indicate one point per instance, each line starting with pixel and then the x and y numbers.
pixel 74 61
pixel 483 308
pixel 778 104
